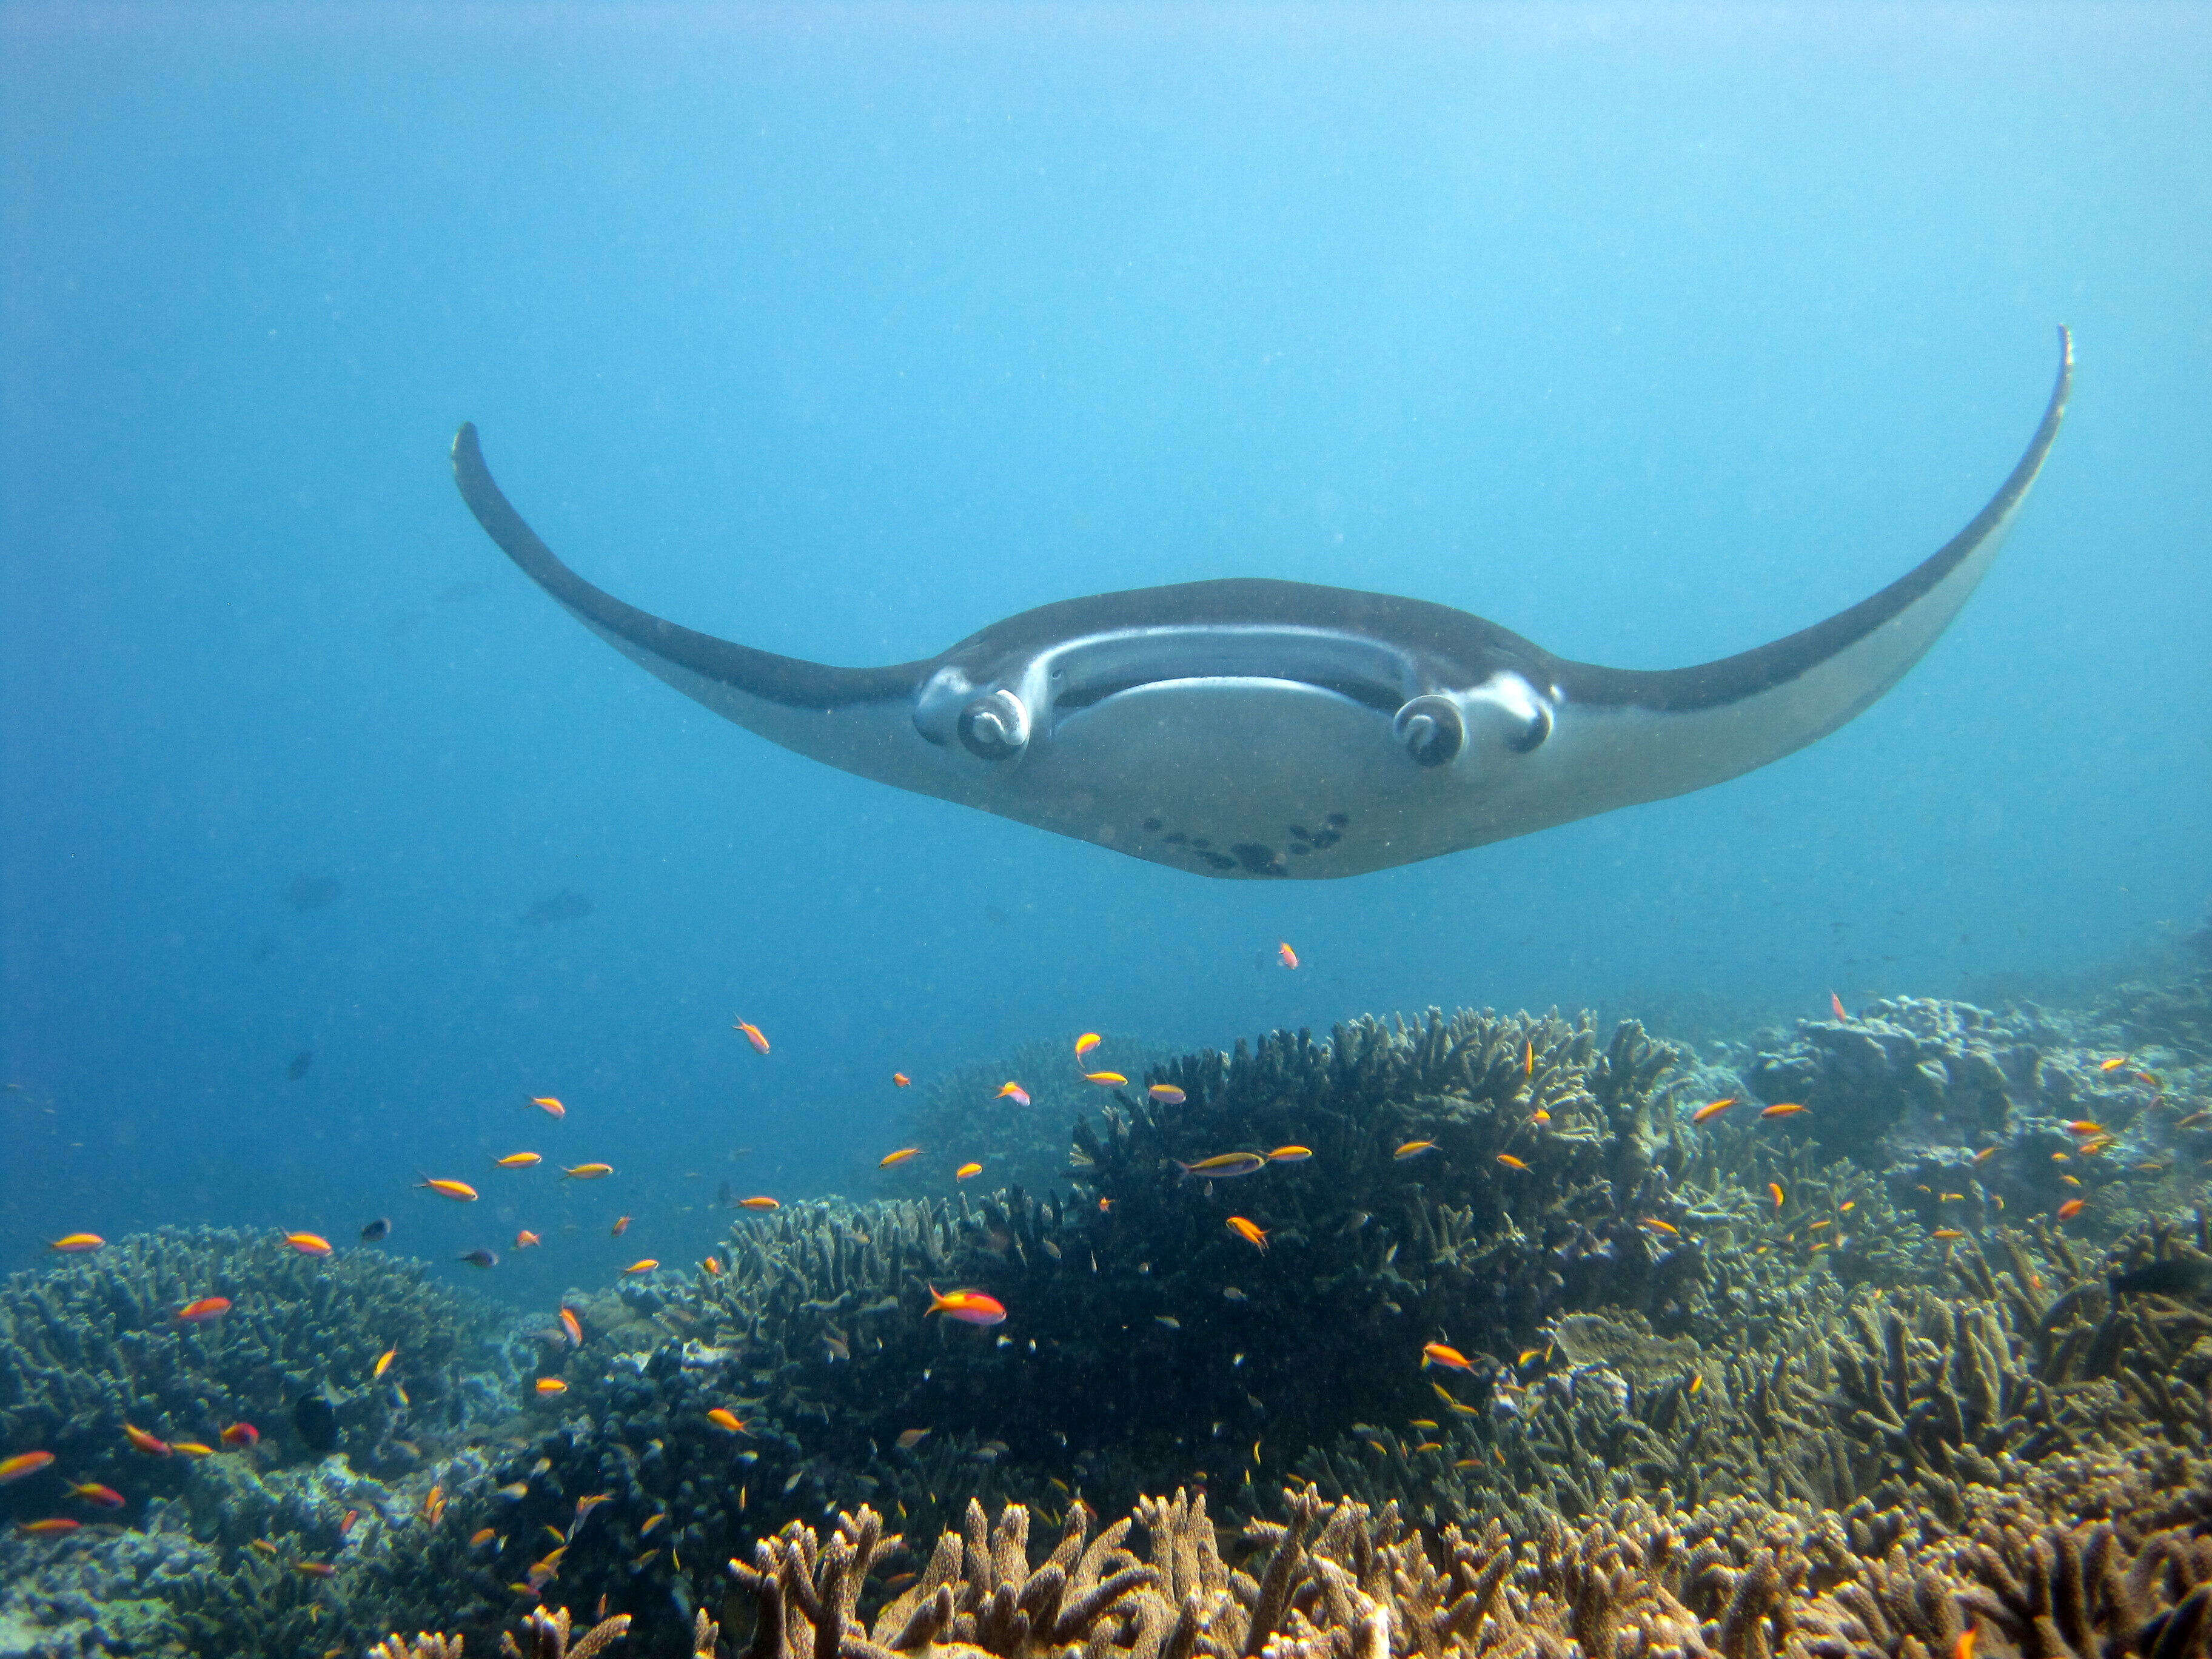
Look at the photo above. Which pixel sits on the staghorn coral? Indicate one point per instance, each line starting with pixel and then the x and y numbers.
pixel 424 1646
pixel 545 1636
pixel 88 1345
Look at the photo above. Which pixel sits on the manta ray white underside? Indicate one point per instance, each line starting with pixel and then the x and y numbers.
pixel 1267 729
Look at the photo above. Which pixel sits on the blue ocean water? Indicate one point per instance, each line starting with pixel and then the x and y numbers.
pixel 1650 332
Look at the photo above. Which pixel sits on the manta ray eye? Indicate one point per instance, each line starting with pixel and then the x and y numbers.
pixel 995 727
pixel 1431 729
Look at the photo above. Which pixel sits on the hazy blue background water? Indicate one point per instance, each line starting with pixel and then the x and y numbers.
pixel 1651 332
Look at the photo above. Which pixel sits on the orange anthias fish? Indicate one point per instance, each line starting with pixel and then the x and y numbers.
pixel 726 1420
pixel 23 1463
pixel 1658 1226
pixel 711 1265
pixel 518 1160
pixel 645 1267
pixel 152 1445
pixel 240 1436
pixel 1286 956
pixel 92 1492
pixel 900 1079
pixel 572 1326
pixel 308 1243
pixel 1085 1044
pixel 969 1307
pixel 1511 1162
pixel 1712 1108
pixel 550 1385
pixel 1963 1647
pixel 459 1191
pixel 1786 1109
pixel 1528 1060
pixel 587 1172
pixel 966 1170
pixel 621 1226
pixel 758 1204
pixel 2113 1064
pixel 1251 1232
pixel 1225 1166
pixel 1166 1094
pixel 889 1159
pixel 75 1243
pixel 383 1364
pixel 1415 1149
pixel 2071 1208
pixel 547 1105
pixel 753 1034
pixel 1290 1155
pixel 52 1527
pixel 2082 1126
pixel 1836 1003
pixel 1774 1191
pixel 1013 1091
pixel 1442 1354
pixel 207 1308
pixel 1107 1080
pixel 525 1238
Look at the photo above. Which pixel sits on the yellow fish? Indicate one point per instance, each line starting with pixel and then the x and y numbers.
pixel 966 1170
pixel 587 1171
pixel 899 1157
pixel 1250 1231
pixel 1415 1149
pixel 1106 1079
pixel 518 1160
pixel 1085 1044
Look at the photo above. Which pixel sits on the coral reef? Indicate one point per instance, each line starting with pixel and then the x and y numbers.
pixel 91 1343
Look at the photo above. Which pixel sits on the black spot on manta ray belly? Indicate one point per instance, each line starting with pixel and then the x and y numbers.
pixel 1259 860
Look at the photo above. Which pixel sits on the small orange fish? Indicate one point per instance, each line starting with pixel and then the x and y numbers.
pixel 1415 1149
pixel 1963 1647
pixel 550 1385
pixel 482 1537
pixel 587 1172
pixel 1441 1353
pixel 1539 1116
pixel 1986 1154
pixel 621 1226
pixel 572 1326
pixel 711 1265
pixel 459 1191
pixel 23 1463
pixel 1012 1092
pixel 758 1204
pixel 900 1079
pixel 76 1243
pixel 2071 1208
pixel 1286 956
pixel 240 1436
pixel 1105 1207
pixel 1225 1166
pixel 1511 1162
pixel 1774 1191
pixel 383 1364
pixel 1085 1044
pixel 52 1527
pixel 2082 1126
pixel 966 1170
pixel 1250 1232
pixel 547 1105
pixel 899 1157
pixel 314 1569
pixel 1712 1108
pixel 152 1445
pixel 969 1307
pixel 92 1492
pixel 647 1527
pixel 1528 1060
pixel 1166 1094
pixel 1107 1080
pixel 525 1238
pixel 207 1308
pixel 909 1438
pixel 2113 1064
pixel 1836 1003
pixel 192 1448
pixel 753 1034
pixel 645 1267
pixel 726 1420
pixel 518 1160
pixel 1290 1155
pixel 308 1243
pixel 1658 1226
pixel 1786 1109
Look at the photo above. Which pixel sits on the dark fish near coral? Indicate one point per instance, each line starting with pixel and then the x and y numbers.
pixel 480 1258
pixel 300 1062
pixel 316 1422
pixel 312 892
pixel 376 1231
pixel 566 905
pixel 2176 1276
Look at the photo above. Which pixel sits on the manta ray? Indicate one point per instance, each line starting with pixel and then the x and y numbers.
pixel 1257 729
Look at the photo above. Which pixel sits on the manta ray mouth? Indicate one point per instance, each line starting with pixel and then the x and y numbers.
pixel 1384 698
pixel 1086 673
